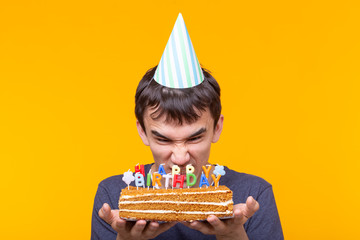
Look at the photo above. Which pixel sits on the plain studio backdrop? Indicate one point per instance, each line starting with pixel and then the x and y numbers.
pixel 289 73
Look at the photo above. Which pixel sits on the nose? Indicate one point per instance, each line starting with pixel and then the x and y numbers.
pixel 180 155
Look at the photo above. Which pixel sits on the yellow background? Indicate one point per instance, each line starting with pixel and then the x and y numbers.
pixel 289 72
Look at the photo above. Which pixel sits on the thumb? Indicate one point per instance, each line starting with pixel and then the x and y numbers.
pixel 105 213
pixel 251 207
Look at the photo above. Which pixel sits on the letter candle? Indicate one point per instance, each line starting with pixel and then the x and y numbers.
pixel 167 177
pixel 140 168
pixel 216 179
pixel 203 180
pixel 207 170
pixel 161 169
pixel 190 168
pixel 179 179
pixel 148 180
pixel 139 180
pixel 219 170
pixel 175 170
pixel 156 179
pixel 128 177
pixel 190 173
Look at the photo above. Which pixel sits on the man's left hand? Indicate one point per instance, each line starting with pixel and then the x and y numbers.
pixel 230 228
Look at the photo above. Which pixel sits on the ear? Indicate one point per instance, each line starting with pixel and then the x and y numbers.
pixel 218 129
pixel 142 133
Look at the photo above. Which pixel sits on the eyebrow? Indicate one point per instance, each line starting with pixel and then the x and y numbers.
pixel 198 132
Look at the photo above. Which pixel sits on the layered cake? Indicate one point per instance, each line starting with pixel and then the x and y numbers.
pixel 185 204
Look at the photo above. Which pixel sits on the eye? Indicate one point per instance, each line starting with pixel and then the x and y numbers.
pixel 194 139
pixel 163 140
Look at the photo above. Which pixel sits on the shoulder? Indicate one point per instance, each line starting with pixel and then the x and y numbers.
pixel 234 178
pixel 109 191
pixel 112 182
pixel 244 185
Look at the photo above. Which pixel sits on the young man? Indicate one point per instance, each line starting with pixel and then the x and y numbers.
pixel 178 110
pixel 179 125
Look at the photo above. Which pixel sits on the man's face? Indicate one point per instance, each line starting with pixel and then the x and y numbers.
pixel 173 144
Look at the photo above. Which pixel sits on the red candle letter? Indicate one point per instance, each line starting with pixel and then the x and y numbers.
pixel 140 169
pixel 178 179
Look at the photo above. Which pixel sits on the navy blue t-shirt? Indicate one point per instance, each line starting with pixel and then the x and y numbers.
pixel 264 224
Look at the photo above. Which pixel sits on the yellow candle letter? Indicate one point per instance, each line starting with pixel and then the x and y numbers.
pixel 216 179
pixel 207 170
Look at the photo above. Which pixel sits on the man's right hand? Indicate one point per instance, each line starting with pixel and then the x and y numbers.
pixel 132 230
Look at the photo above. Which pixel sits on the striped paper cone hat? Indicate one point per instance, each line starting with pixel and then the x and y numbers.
pixel 179 66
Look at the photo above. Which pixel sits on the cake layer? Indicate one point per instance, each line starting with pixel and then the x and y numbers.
pixel 175 204
pixel 164 215
pixel 191 197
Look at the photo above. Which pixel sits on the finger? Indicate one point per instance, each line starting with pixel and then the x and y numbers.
pixel 119 226
pixel 112 218
pixel 105 213
pixel 202 227
pixel 151 229
pixel 186 224
pixel 239 217
pixel 218 225
pixel 251 207
pixel 154 228
pixel 137 229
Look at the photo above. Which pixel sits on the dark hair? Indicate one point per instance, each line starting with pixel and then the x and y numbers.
pixel 178 105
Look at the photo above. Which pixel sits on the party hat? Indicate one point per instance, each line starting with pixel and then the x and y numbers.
pixel 179 66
